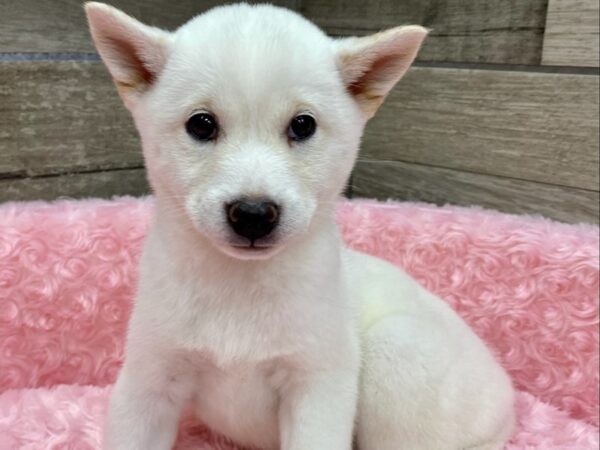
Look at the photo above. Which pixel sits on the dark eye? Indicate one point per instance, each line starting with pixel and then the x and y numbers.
pixel 301 127
pixel 202 126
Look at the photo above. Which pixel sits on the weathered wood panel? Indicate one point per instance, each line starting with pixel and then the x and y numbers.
pixel 65 116
pixel 487 31
pixel 492 31
pixel 80 185
pixel 60 25
pixel 415 182
pixel 532 126
pixel 571 37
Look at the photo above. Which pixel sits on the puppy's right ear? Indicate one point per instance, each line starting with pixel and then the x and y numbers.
pixel 134 53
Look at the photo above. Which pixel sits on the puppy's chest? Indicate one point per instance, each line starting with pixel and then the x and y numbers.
pixel 241 402
pixel 231 330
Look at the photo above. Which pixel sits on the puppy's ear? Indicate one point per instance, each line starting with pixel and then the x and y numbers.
pixel 134 53
pixel 370 66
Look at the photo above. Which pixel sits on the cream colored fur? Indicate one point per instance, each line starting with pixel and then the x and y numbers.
pixel 303 344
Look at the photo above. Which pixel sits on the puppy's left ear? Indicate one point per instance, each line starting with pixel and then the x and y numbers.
pixel 134 53
pixel 370 66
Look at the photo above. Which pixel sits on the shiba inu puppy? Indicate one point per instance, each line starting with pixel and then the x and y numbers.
pixel 249 307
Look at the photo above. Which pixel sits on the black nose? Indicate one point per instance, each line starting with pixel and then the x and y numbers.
pixel 252 219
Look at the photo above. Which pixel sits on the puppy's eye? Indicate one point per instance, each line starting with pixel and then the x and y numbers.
pixel 202 126
pixel 301 127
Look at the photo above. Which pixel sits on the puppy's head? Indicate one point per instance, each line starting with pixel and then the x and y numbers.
pixel 250 116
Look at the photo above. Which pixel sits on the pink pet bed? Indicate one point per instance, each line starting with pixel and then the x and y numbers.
pixel 528 286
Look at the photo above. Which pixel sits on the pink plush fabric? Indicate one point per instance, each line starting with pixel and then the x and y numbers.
pixel 528 286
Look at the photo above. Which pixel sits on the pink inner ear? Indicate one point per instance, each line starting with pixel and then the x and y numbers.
pixel 370 66
pixel 129 58
pixel 369 83
pixel 133 52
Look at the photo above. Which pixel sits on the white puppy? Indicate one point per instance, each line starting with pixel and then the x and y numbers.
pixel 249 305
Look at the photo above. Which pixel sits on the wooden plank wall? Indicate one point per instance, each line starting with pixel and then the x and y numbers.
pixel 500 111
pixel 571 37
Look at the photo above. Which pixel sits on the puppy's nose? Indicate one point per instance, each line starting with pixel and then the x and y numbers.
pixel 252 219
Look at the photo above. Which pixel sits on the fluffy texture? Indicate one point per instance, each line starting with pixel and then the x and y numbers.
pixel 68 270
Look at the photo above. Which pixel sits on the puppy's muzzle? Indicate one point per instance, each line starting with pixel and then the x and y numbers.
pixel 252 218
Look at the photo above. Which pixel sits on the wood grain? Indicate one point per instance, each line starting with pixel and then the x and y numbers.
pixel 413 182
pixel 532 126
pixel 571 37
pixel 490 31
pixel 81 185
pixel 486 31
pixel 62 116
pixel 60 25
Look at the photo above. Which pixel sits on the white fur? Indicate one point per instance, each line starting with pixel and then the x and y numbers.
pixel 303 345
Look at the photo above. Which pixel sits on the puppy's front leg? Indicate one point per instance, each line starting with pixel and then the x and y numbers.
pixel 144 409
pixel 317 412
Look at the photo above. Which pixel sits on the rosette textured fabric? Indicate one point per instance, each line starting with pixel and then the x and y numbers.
pixel 528 286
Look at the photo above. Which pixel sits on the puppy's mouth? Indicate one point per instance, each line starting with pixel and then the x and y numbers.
pixel 252 249
pixel 252 246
